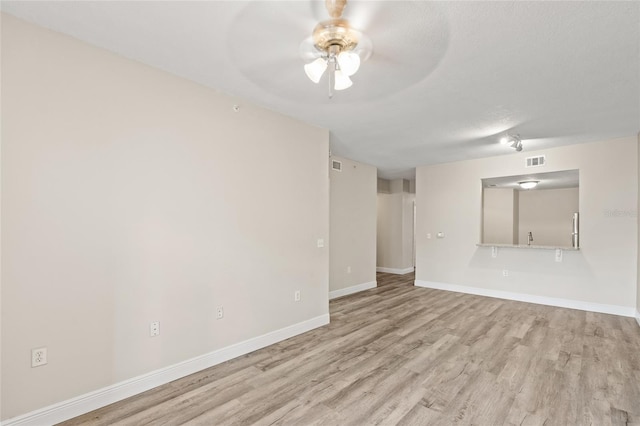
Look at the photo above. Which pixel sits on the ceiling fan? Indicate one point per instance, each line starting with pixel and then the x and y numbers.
pixel 270 42
pixel 335 46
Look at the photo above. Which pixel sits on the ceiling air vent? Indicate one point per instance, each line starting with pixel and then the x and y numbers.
pixel 336 165
pixel 536 161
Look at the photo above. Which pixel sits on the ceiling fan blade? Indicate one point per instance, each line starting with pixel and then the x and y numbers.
pixel 307 50
pixel 362 13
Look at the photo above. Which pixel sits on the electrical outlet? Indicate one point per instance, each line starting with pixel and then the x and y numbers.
pixel 558 255
pixel 505 273
pixel 154 328
pixel 348 269
pixel 296 296
pixel 38 357
pixel 219 312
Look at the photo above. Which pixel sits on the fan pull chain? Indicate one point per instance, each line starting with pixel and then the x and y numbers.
pixel 332 75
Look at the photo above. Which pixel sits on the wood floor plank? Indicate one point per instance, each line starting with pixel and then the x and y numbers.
pixel 399 354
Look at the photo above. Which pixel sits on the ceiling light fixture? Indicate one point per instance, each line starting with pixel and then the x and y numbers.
pixel 514 140
pixel 338 47
pixel 528 184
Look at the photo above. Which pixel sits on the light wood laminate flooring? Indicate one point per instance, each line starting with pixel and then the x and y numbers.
pixel 398 354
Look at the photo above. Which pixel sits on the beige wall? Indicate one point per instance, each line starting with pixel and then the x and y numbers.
pixel 353 225
pixel 131 195
pixel 389 231
pixel 384 186
pixel 395 230
pixel 399 185
pixel 408 201
pixel 499 218
pixel 603 271
pixel 516 218
pixel 638 276
pixel 548 215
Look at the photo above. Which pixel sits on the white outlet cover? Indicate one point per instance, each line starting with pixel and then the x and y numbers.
pixel 38 357
pixel 296 296
pixel 154 328
pixel 220 312
pixel 320 243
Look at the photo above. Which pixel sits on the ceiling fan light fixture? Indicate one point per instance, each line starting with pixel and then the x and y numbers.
pixel 349 62
pixel 336 46
pixel 342 81
pixel 315 69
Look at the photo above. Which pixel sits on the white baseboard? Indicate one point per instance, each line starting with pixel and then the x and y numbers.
pixel 530 298
pixel 88 402
pixel 394 270
pixel 638 317
pixel 353 289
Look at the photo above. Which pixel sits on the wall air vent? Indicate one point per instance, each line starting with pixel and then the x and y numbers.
pixel 536 161
pixel 336 165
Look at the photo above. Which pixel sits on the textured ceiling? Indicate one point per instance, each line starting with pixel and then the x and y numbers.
pixel 445 81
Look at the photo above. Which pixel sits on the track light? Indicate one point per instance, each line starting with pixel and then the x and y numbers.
pixel 514 140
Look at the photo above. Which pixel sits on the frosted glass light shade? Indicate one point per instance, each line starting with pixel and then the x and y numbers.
pixel 342 81
pixel 315 69
pixel 349 62
pixel 530 184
